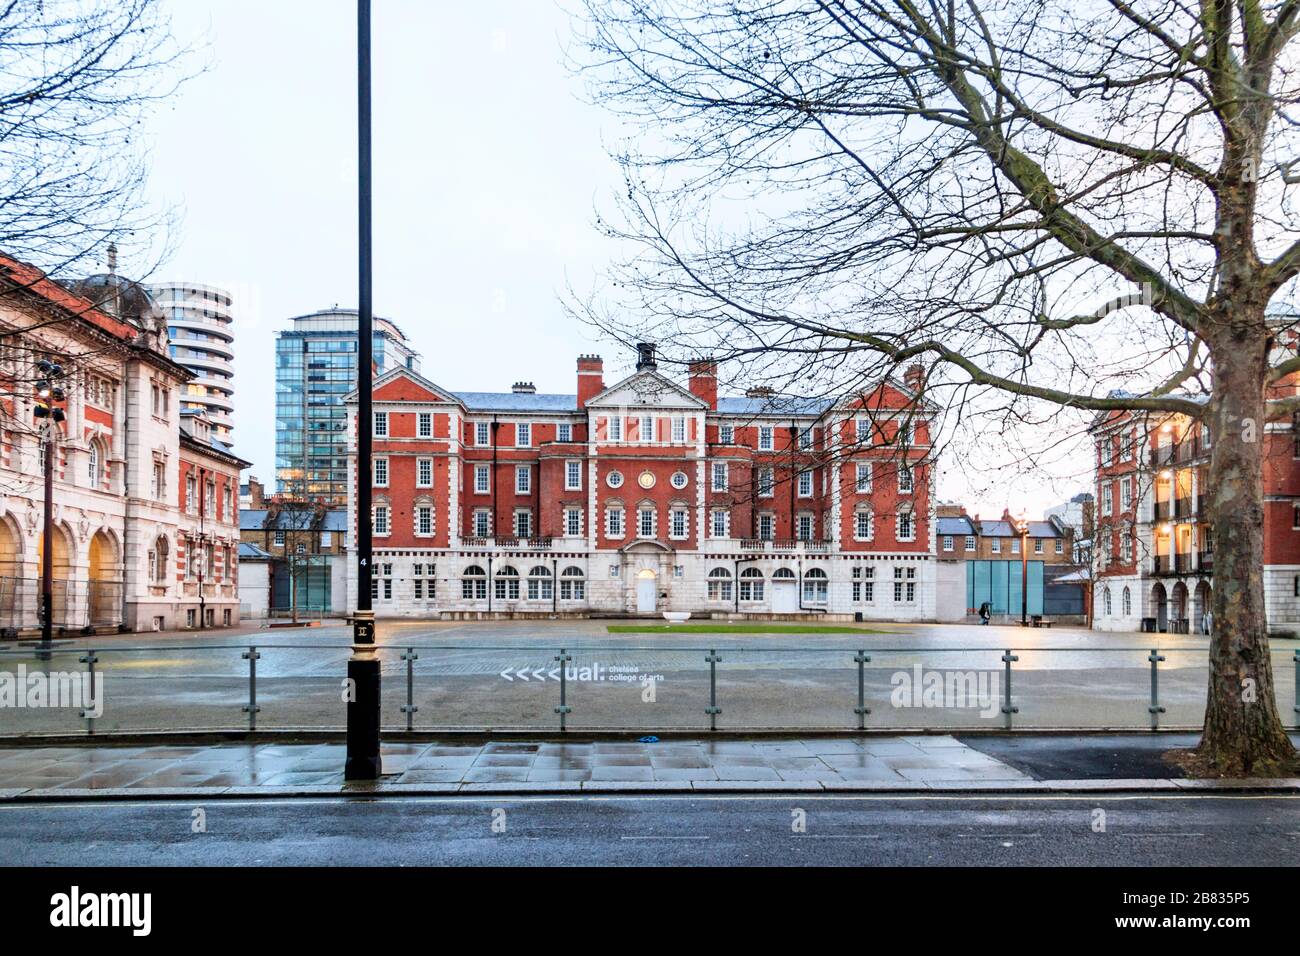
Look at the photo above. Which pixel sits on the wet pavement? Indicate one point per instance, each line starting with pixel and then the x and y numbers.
pixel 871 763
pixel 503 676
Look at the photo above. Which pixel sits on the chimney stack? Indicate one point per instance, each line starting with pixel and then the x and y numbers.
pixel 914 377
pixel 703 381
pixel 645 357
pixel 524 388
pixel 760 391
pixel 591 378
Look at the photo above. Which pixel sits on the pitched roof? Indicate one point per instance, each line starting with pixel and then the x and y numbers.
pixel 1004 529
pixel 517 401
pixel 251 552
pixel 955 525
pixel 38 284
pixel 254 519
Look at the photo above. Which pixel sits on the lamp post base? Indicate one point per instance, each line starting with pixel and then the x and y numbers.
pixel 363 761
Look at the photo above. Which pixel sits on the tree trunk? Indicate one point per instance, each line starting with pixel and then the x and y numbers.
pixel 1243 734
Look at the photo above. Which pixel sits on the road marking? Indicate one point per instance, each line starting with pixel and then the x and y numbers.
pixel 663 838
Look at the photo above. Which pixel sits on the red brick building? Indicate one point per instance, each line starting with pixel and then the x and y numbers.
pixel 1154 551
pixel 645 496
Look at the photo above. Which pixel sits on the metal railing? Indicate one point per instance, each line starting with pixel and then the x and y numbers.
pixel 616 687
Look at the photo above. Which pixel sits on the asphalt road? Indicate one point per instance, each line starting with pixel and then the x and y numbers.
pixel 749 830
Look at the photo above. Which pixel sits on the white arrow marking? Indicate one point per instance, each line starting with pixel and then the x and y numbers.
pixel 506 674
pixel 523 674
pixel 555 674
pixel 540 673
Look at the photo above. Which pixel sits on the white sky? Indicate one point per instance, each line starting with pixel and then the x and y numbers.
pixel 489 169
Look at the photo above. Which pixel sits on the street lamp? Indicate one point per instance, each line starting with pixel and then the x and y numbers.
pixel 47 394
pixel 363 762
pixel 1022 526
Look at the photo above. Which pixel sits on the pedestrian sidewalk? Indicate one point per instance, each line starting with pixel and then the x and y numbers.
pixel 864 764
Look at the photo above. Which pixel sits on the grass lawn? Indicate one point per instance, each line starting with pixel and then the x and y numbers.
pixel 722 628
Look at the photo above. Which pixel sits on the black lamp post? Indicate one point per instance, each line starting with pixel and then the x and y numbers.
pixel 47 393
pixel 363 762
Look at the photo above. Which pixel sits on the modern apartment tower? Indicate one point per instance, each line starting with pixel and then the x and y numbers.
pixel 199 325
pixel 315 367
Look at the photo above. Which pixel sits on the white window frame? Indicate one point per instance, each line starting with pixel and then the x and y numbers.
pixel 718 475
pixel 381 424
pixel 719 523
pixel 766 439
pixel 424 424
pixel 905 526
pixel 615 428
pixel 482 434
pixel 573 522
pixel 615 523
pixel 421 466
pixel 906 480
pixel 381 524
pixel 523 479
pixel 484 472
pixel 641 523
pixel 573 474
pixel 523 434
pixel 862 478
pixel 679 429
pixel 805 484
pixel 564 432
pixel 381 472
pixel 675 517
pixel 420 511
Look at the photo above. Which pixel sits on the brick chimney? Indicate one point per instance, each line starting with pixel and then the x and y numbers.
pixel 703 381
pixel 256 494
pixel 914 377
pixel 591 378
pixel 524 388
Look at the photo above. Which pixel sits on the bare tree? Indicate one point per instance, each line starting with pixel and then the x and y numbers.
pixel 1044 201
pixel 78 79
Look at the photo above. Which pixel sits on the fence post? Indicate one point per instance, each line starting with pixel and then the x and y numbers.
pixel 1296 688
pixel 409 707
pixel 251 655
pixel 1007 709
pixel 89 659
pixel 713 709
pixel 1155 657
pixel 564 708
pixel 862 657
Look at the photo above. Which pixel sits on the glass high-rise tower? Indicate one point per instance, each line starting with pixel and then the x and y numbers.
pixel 199 323
pixel 315 366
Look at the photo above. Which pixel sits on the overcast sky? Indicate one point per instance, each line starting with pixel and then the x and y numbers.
pixel 489 168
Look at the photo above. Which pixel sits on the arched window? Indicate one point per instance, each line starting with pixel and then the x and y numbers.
pixel 1126 603
pixel 158 562
pixel 506 585
pixel 96 477
pixel 1105 602
pixel 815 586
pixel 751 584
pixel 573 586
pixel 783 574
pixel 473 584
pixel 719 585
pixel 540 585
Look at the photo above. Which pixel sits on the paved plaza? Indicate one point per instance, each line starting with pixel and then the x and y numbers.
pixel 504 676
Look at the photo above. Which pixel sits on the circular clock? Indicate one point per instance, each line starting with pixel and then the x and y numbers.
pixel 646 480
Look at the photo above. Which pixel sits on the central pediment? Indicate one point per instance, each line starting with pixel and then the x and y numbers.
pixel 647 389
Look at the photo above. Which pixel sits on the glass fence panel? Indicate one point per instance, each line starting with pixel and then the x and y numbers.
pixel 300 687
pixel 643 690
pixel 45 696
pixel 937 689
pixel 799 689
pixel 478 688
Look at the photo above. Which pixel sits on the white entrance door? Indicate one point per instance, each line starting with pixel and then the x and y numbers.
pixel 646 592
pixel 784 599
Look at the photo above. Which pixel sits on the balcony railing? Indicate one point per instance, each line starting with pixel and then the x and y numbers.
pixel 1172 564
pixel 507 541
pixel 784 544
pixel 1205 560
